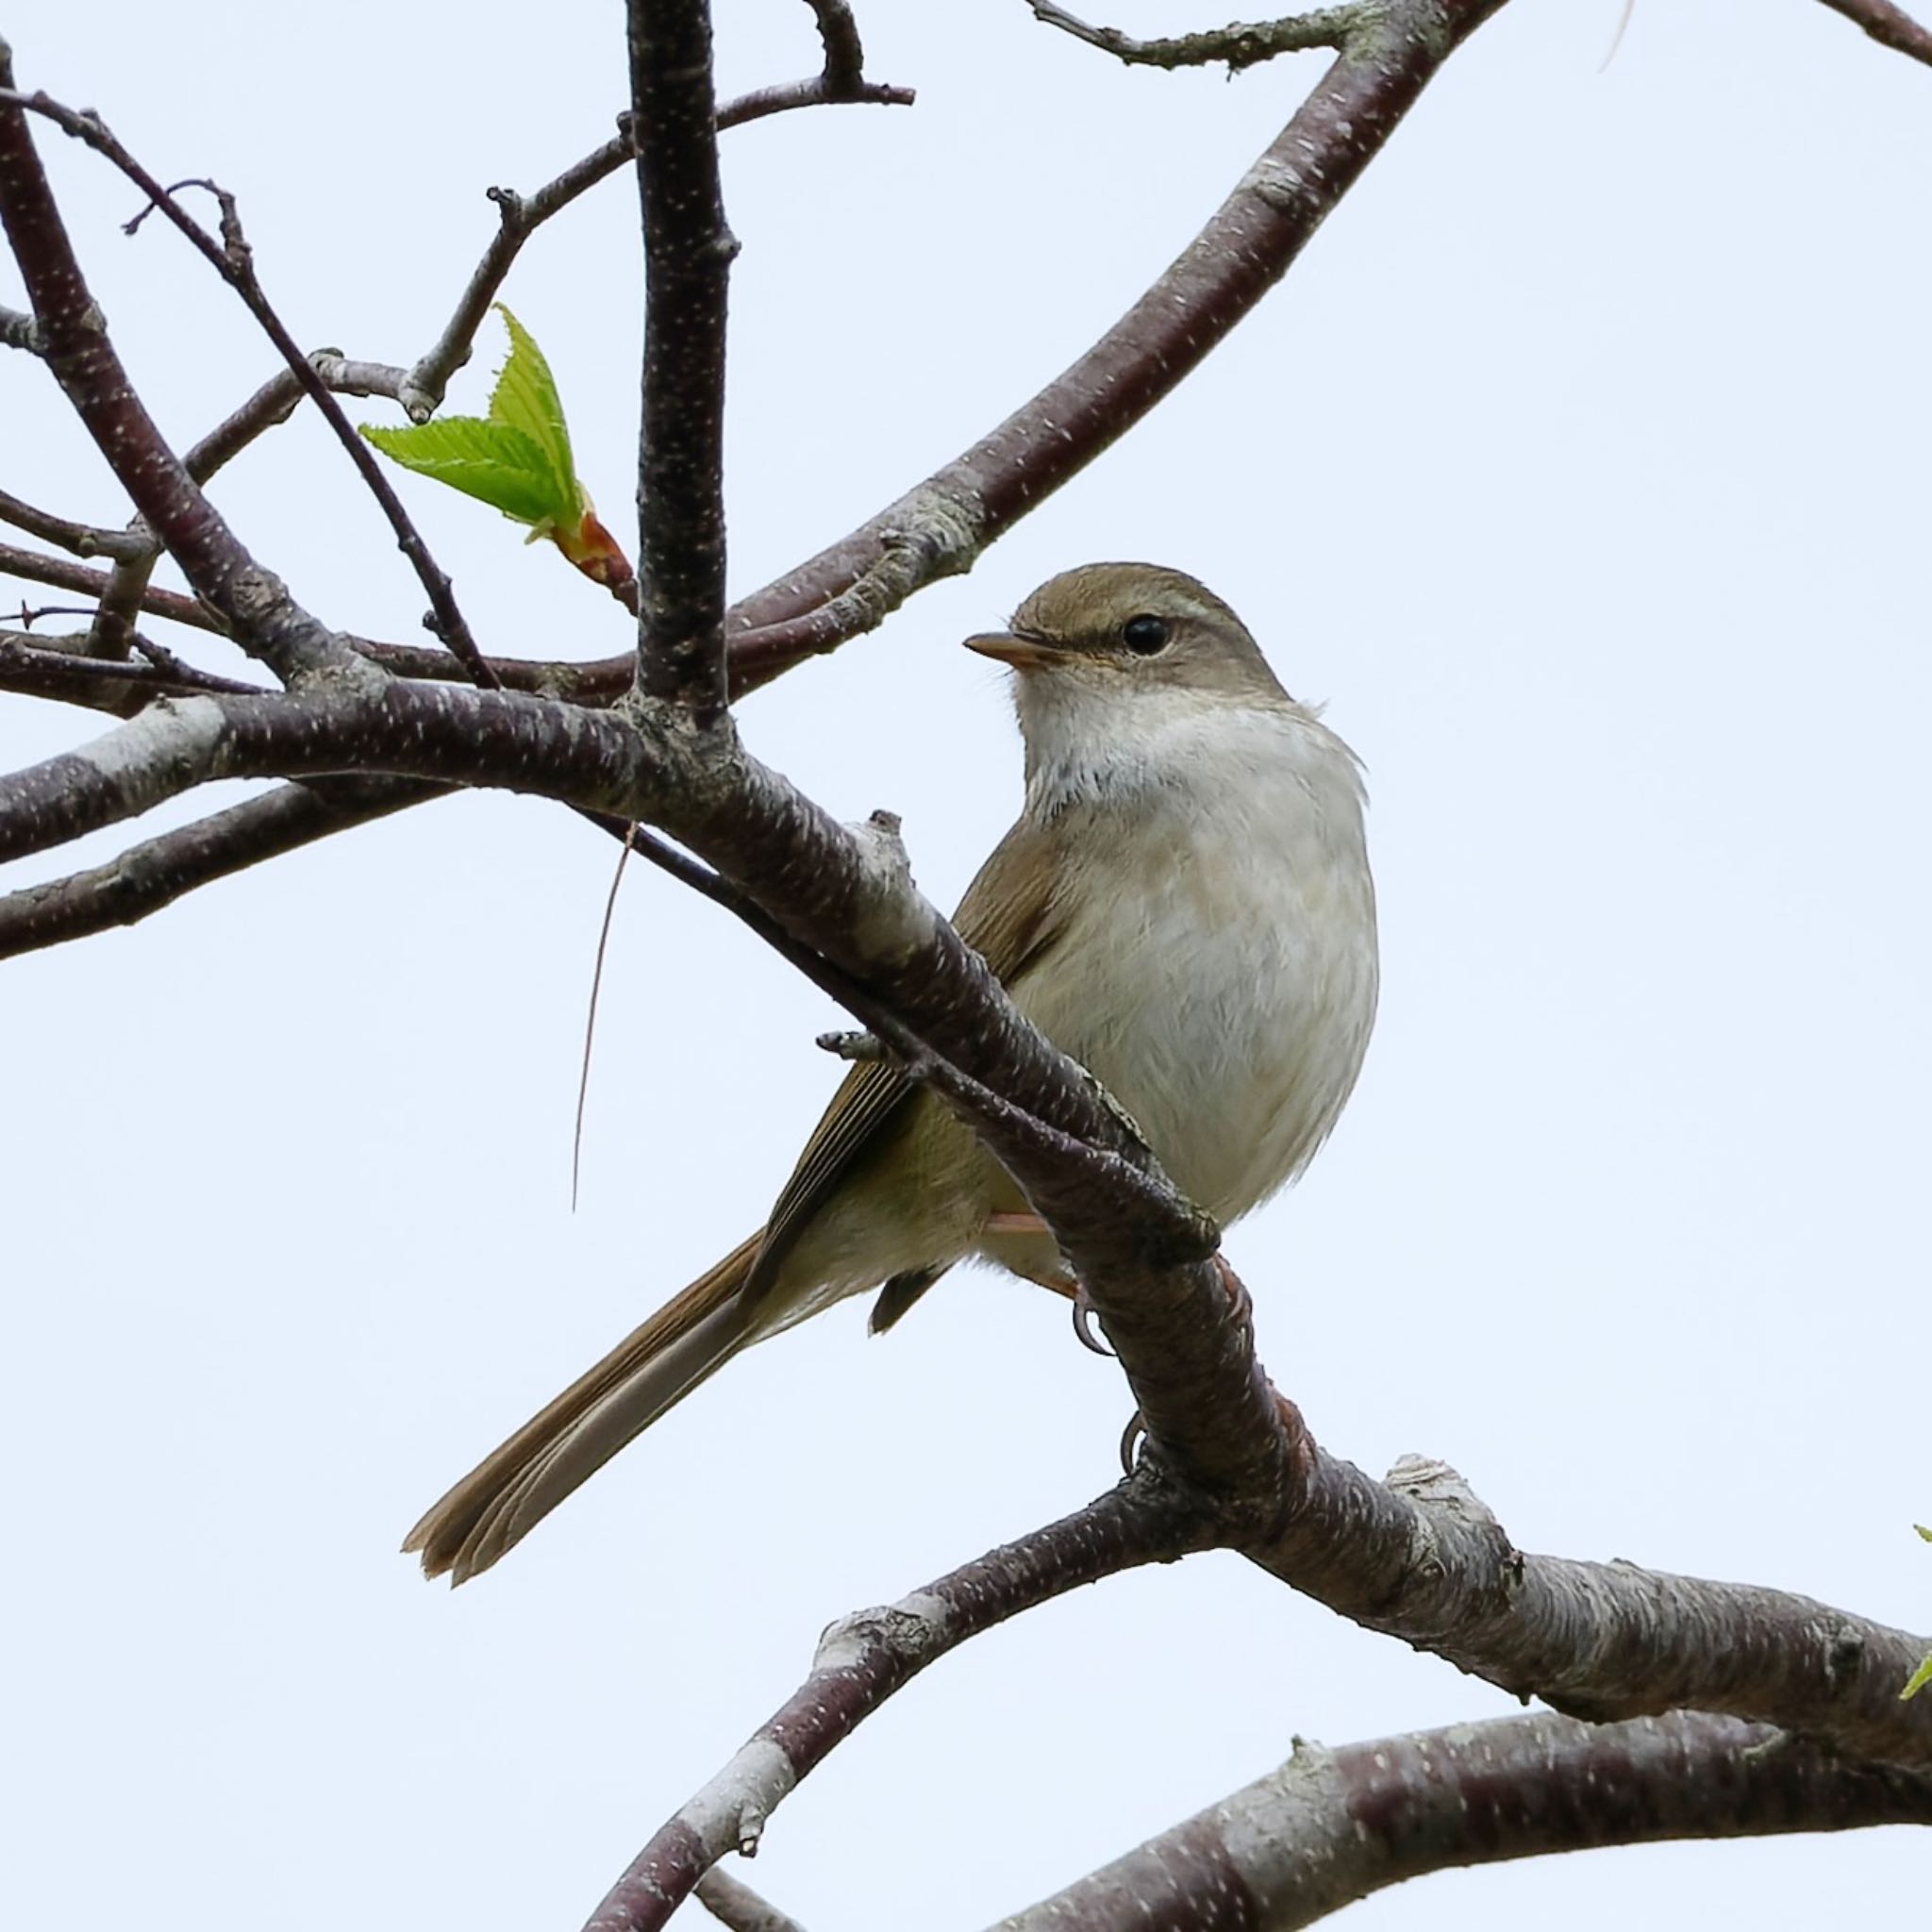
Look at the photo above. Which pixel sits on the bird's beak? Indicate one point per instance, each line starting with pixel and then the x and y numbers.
pixel 1023 653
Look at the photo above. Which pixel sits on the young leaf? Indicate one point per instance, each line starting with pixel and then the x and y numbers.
pixel 496 465
pixel 526 399
pixel 517 460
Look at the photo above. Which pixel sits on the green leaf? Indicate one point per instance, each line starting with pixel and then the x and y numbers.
pixel 517 460
pixel 497 465
pixel 1924 1531
pixel 525 398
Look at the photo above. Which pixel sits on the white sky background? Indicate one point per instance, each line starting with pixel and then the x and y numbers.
pixel 1580 465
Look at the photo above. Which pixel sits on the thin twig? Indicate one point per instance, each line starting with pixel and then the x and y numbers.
pixel 421 387
pixel 233 260
pixel 1238 46
pixel 38 569
pixel 82 539
pixel 256 607
pixel 18 331
pixel 1890 26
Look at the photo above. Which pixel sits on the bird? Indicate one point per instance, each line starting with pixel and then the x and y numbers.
pixel 1184 905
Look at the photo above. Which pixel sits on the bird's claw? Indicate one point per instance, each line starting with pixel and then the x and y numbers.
pixel 1085 1315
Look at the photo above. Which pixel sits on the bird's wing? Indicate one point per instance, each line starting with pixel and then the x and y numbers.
pixel 1010 915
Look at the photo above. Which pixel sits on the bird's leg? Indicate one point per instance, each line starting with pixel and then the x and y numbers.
pixel 1062 1281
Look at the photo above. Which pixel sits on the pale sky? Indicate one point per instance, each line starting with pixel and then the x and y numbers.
pixel 1580 467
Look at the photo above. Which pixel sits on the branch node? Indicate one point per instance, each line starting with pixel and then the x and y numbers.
pixel 893 918
pixel 853 1046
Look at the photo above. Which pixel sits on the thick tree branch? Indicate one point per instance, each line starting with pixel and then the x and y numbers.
pixel 1421 1557
pixel 864 1660
pixel 1329 1827
pixel 687 255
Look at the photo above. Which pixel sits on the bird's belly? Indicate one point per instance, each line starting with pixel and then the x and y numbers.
pixel 1228 1010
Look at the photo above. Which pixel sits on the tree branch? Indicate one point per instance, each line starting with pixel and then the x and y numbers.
pixel 233 260
pixel 256 604
pixel 18 331
pixel 83 539
pixel 158 871
pixel 1890 26
pixel 1329 1827
pixel 862 1661
pixel 1239 46
pixel 687 255
pixel 421 388
pixel 61 668
pixel 1420 1557
pixel 738 1907
pixel 1420 1803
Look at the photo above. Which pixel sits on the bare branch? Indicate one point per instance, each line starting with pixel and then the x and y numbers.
pixel 421 388
pixel 64 668
pixel 255 603
pixel 1237 45
pixel 738 1907
pixel 596 682
pixel 18 331
pixel 862 1661
pixel 1420 1557
pixel 839 36
pixel 1890 26
pixel 63 576
pixel 1329 1827
pixel 1419 1804
pixel 155 873
pixel 687 255
pixel 83 539
pixel 233 260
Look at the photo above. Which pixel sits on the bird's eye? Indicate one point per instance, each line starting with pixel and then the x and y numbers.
pixel 1146 634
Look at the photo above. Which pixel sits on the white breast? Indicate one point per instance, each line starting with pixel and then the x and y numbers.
pixel 1227 930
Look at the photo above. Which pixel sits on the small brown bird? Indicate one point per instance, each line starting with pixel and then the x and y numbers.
pixel 1185 907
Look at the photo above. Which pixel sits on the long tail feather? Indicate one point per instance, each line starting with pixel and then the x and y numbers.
pixel 657 1364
